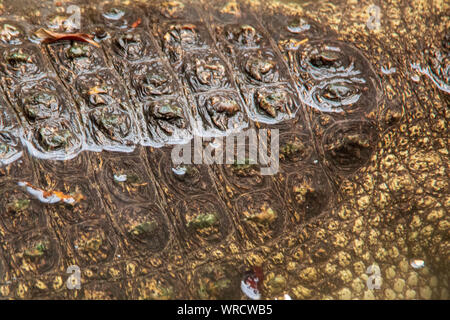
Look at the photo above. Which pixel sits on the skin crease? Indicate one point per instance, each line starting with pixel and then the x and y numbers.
pixel 390 210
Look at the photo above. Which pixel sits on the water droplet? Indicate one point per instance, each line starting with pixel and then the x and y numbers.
pixel 179 170
pixel 114 14
pixel 298 26
pixel 249 290
pixel 415 77
pixel 417 263
pixel 251 283
pixel 120 178
pixel 69 200
pixel 386 70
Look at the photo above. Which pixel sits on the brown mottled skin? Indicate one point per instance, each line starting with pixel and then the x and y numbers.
pixel 392 209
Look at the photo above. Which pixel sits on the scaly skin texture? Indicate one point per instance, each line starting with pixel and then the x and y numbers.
pixel 391 210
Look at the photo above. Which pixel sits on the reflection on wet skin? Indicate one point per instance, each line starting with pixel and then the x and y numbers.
pixel 257 67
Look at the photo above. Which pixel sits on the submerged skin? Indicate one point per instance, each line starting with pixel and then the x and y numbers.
pixel 388 210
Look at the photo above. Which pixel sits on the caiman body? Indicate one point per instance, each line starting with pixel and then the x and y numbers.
pixel 358 93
